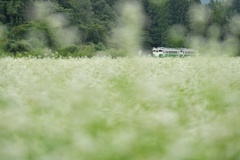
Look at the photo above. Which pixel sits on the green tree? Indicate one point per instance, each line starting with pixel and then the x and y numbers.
pixel 104 21
pixel 234 12
pixel 159 23
pixel 13 12
pixel 3 12
pixel 80 14
pixel 219 17
pixel 219 13
pixel 162 16
pixel 178 11
pixel 236 6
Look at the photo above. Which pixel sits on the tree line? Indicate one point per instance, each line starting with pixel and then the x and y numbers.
pixel 24 28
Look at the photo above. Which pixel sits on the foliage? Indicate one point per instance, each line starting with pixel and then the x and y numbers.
pixel 87 51
pixel 38 34
pixel 62 23
pixel 77 51
pixel 68 50
pixel 18 46
pixel 100 47
pixel 14 12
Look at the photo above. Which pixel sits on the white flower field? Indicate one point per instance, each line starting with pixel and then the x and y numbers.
pixel 140 108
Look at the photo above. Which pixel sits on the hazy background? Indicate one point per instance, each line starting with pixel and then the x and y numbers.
pixel 81 28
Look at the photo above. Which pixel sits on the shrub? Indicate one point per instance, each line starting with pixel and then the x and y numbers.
pixel 36 33
pixel 100 47
pixel 87 50
pixel 68 51
pixel 41 53
pixel 2 53
pixel 77 51
pixel 18 46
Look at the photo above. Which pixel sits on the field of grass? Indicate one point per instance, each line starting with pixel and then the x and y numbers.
pixel 120 109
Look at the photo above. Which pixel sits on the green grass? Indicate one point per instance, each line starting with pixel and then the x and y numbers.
pixel 123 108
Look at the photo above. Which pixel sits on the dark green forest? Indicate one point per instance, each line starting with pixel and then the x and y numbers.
pixel 31 26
